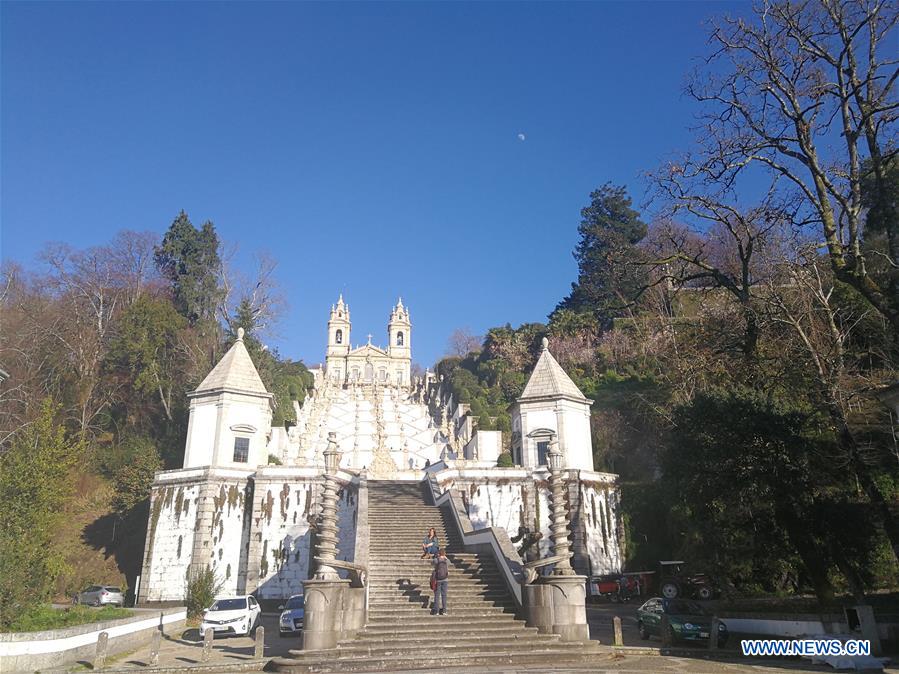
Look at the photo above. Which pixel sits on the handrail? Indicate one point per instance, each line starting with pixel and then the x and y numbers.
pixel 496 538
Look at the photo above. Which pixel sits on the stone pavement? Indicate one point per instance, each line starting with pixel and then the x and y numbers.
pixel 235 654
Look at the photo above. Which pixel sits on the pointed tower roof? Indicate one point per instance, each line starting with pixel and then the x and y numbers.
pixel 549 380
pixel 235 371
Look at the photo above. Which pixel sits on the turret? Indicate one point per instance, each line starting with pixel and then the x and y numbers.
pixel 338 339
pixel 399 336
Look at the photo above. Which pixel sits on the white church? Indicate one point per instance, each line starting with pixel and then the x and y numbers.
pixel 246 499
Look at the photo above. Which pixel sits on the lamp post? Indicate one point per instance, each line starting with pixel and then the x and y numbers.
pixel 327 535
pixel 559 527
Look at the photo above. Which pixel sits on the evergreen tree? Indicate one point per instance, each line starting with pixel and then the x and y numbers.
pixel 189 259
pixel 608 277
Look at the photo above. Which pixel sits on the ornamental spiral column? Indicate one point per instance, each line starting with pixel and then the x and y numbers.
pixel 559 527
pixel 326 551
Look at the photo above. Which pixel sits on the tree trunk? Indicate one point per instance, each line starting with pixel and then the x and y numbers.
pixel 810 551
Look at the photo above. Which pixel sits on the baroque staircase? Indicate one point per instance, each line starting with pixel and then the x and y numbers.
pixel 480 628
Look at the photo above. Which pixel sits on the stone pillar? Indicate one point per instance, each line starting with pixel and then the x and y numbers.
pixel 323 621
pixel 618 634
pixel 558 603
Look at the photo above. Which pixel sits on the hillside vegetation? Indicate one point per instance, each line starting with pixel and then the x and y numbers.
pixel 101 347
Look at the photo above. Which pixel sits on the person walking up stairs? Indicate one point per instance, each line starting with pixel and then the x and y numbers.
pixel 402 633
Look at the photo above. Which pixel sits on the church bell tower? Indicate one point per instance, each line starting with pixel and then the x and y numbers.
pixel 399 335
pixel 338 340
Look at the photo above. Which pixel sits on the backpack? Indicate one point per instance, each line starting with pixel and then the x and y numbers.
pixel 442 570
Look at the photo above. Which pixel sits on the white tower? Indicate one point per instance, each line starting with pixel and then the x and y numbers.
pixel 230 414
pixel 338 341
pixel 551 408
pixel 399 344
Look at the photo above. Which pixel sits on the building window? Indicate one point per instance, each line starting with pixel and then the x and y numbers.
pixel 542 451
pixel 338 337
pixel 399 338
pixel 241 450
pixel 399 377
pixel 382 373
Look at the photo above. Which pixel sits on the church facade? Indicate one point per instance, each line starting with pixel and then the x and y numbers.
pixel 368 364
pixel 247 497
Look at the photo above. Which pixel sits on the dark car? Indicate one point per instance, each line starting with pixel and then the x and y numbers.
pixel 687 621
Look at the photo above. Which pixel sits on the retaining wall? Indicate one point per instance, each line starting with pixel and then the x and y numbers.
pixel 31 651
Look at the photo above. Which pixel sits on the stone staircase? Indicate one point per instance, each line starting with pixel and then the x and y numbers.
pixel 480 628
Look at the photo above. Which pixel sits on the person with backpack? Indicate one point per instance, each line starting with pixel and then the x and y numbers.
pixel 439 583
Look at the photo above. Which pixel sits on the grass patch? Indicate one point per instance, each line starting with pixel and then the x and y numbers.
pixel 49 618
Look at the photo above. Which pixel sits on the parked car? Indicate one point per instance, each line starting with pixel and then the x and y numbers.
pixel 291 620
pixel 232 615
pixel 675 580
pixel 100 595
pixel 687 620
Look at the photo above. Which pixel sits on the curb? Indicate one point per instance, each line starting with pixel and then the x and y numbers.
pixel 232 666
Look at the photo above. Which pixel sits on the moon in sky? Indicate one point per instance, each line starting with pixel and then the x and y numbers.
pixel 521 136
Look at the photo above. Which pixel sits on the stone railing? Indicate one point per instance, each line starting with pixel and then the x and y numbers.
pixel 493 540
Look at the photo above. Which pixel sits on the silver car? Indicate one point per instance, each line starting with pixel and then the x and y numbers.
pixel 291 620
pixel 100 595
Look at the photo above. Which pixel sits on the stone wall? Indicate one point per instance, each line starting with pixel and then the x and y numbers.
pixel 198 519
pixel 601 524
pixel 170 540
pixel 287 502
pixel 512 497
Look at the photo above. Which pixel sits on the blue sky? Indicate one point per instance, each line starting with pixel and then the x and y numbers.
pixel 372 148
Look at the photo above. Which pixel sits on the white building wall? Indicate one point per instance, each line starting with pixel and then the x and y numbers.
pixel 173 514
pixel 200 446
pixel 602 526
pixel 283 513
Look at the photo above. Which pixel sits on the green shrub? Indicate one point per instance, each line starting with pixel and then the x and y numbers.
pixel 274 460
pixel 202 587
pixel 504 460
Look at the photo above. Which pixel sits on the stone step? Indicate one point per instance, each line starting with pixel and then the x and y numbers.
pixel 438 638
pixel 410 610
pixel 431 625
pixel 446 645
pixel 552 658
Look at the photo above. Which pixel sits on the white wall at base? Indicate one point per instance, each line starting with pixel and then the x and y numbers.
pixel 507 498
pixel 226 542
pixel 602 527
pixel 283 510
pixel 173 518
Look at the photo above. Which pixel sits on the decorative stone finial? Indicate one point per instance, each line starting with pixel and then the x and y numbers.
pixel 240 334
pixel 545 343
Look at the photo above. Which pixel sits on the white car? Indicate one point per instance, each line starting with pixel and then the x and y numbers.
pixel 232 615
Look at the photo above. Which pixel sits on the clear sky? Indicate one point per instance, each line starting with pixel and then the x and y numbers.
pixel 438 151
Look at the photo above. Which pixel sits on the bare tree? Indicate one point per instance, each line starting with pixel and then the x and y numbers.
pixel 823 327
pixel 724 246
pixel 463 341
pixel 257 299
pixel 805 90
